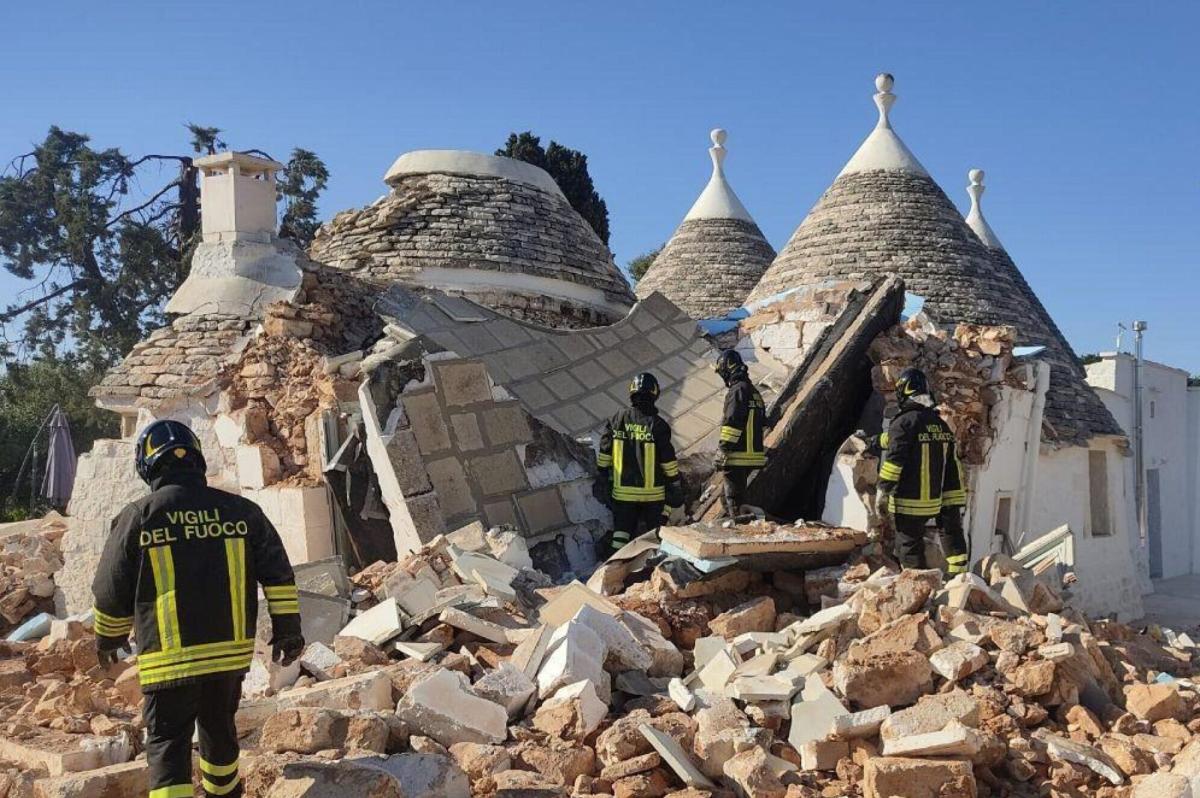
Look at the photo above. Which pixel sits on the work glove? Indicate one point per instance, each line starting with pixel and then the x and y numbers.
pixel 286 649
pixel 108 650
pixel 883 495
pixel 721 459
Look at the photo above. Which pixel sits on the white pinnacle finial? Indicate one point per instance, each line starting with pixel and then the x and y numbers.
pixel 975 218
pixel 718 201
pixel 884 98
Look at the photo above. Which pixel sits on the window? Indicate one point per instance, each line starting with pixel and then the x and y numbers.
pixel 1098 489
pixel 1003 520
pixel 1151 408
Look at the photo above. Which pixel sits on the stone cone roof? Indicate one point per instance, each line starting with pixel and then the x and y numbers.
pixel 709 266
pixel 889 217
pixel 717 254
pixel 477 225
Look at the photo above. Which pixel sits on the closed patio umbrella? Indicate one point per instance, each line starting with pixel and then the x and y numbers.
pixel 60 461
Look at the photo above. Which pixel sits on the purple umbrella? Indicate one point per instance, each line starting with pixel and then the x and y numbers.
pixel 60 462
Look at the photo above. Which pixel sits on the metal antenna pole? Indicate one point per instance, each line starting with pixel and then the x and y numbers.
pixel 1139 457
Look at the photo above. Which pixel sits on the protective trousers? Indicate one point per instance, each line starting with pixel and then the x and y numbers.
pixel 171 716
pixel 734 488
pixel 631 519
pixel 910 540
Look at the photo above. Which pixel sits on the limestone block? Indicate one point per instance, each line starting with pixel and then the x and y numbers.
pixel 442 706
pixel 113 781
pixel 463 382
pixel 362 691
pixel 756 615
pixel 319 659
pixel 620 642
pixel 575 653
pixel 467 435
pixel 542 510
pixel 58 753
pixel 1163 785
pixel 404 454
pixel 1154 702
pixel 498 473
pixel 257 466
pixel 573 712
pixel 666 659
pixel 860 724
pixel 563 605
pixel 454 492
pixel 814 713
pixel 377 625
pixel 886 679
pixel 427 421
pixel 305 522
pixel 506 424
pixel 931 713
pixel 823 754
pixel 958 660
pixel 507 686
pixel 886 777
pixel 485 630
pixel 954 740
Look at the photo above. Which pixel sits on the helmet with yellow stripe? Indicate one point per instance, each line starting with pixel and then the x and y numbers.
pixel 167 443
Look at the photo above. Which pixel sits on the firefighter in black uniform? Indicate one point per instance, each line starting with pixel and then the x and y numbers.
pixel 920 477
pixel 637 465
pixel 741 440
pixel 181 570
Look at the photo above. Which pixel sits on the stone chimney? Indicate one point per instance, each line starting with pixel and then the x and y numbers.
pixel 237 197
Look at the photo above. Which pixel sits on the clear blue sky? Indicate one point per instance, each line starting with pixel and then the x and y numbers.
pixel 1084 115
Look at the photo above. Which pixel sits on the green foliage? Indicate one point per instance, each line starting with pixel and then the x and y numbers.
pixel 1194 381
pixel 304 178
pixel 570 171
pixel 205 140
pixel 1088 359
pixel 27 393
pixel 641 264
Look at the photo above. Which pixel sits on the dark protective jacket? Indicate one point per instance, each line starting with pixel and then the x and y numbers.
pixel 181 570
pixel 920 462
pixel 742 425
pixel 637 453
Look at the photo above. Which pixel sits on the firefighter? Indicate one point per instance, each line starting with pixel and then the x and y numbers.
pixel 741 440
pixel 181 570
pixel 637 465
pixel 920 477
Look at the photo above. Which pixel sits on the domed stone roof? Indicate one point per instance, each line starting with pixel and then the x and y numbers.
pixel 494 229
pixel 885 214
pixel 717 254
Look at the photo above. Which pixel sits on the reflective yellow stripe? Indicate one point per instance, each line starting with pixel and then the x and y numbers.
pixel 218 770
pixel 604 460
pixel 956 569
pixel 235 562
pixel 174 791
pixel 671 469
pixel 158 659
pixel 639 494
pixel 111 620
pixel 925 472
pixel 884 438
pixel 618 456
pixel 195 669
pixel 890 472
pixel 219 789
pixel 283 607
pixel 281 591
pixel 649 461
pixel 750 432
pixel 915 507
pixel 166 609
pixel 746 458
pixel 730 434
pixel 957 559
pixel 110 625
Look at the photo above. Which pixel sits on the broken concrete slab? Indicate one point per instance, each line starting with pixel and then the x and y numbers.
pixel 958 660
pixel 617 638
pixel 529 652
pixel 855 725
pixel 562 607
pixel 467 622
pixel 371 690
pixel 666 658
pixel 421 652
pixel 826 619
pixel 57 752
pixel 823 754
pixel 954 740
pixel 683 697
pixel 814 713
pixel 755 615
pixel 931 713
pixel 676 758
pixel 319 660
pixel 507 686
pixel 377 625
pixel 575 653
pixel 760 688
pixel 573 712
pixel 1080 754
pixel 443 707
pixel 719 669
pixel 112 781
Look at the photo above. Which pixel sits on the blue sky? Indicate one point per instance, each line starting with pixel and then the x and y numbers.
pixel 1084 115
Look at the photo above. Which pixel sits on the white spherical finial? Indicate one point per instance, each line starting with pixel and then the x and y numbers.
pixel 884 98
pixel 976 177
pixel 718 136
pixel 884 81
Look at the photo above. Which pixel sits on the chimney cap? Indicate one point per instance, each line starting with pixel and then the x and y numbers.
pixel 247 162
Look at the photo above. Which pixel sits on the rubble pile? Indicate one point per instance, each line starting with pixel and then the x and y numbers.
pixel 305 361
pixel 464 671
pixel 967 369
pixel 29 558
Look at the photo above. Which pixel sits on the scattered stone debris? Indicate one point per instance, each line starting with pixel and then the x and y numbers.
pixel 474 675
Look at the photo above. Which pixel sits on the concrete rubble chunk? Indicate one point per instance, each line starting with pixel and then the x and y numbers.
pixel 1154 702
pixel 377 625
pixel 931 713
pixel 1163 785
pixel 675 757
pixel 723 730
pixel 954 740
pixel 562 607
pixel 573 712
pixel 756 615
pixel 752 777
pixel 419 774
pixel 958 660
pixel 575 653
pixel 1080 754
pixel 421 652
pixel 719 669
pixel 507 686
pixel 319 660
pixel 666 658
pixel 760 688
pixel 828 618
pixel 619 641
pixel 529 652
pixel 58 753
pixel 814 713
pixel 443 707
pixel 684 698
pixel 361 691
pixel 823 754
pixel 467 622
pixel 890 777
pixel 892 679
pixel 480 761
pixel 111 781
pixel 855 725
pixel 1056 652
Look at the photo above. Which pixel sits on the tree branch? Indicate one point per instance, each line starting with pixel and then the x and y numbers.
pixel 174 184
pixel 9 315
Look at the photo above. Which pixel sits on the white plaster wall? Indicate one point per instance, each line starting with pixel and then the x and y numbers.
pixel 1108 580
pixel 843 507
pixel 1193 471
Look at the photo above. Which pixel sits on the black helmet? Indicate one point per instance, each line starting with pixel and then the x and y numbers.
pixel 164 439
pixel 644 386
pixel 730 365
pixel 911 382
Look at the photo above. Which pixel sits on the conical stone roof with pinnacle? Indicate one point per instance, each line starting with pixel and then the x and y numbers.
pixel 717 254
pixel 884 214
